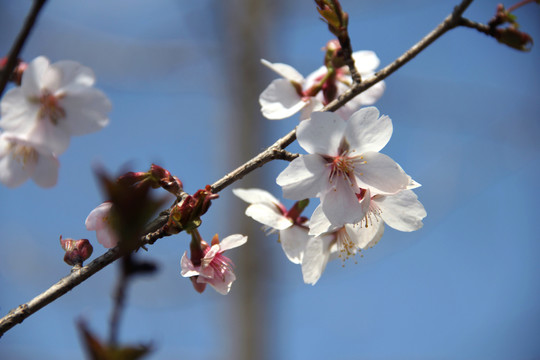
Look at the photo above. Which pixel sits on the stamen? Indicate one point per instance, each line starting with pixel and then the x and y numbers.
pixel 50 108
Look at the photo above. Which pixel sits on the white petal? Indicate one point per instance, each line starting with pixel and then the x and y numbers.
pixel 188 269
pixel 254 196
pixel 340 204
pixel 18 114
pixel 73 72
pixel 402 211
pixel 366 237
pixel 269 216
pixel 322 134
pixel 313 104
pixel 319 223
pixel 285 71
pixel 54 138
pixel 315 77
pixel 46 171
pixel 367 132
pixel 31 83
pixel 13 171
pixel 86 109
pixel 304 177
pixel 365 61
pixel 371 95
pixel 280 100
pixel 315 258
pixel 380 174
pixel 294 240
pixel 232 241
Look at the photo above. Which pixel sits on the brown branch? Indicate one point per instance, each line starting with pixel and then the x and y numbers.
pixel 155 230
pixel 483 28
pixel 19 43
pixel 453 20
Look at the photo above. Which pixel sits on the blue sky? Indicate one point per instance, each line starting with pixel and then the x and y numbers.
pixel 465 115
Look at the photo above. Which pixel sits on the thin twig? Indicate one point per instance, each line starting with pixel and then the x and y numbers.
pixel 19 43
pixel 275 151
pixel 483 28
pixel 119 300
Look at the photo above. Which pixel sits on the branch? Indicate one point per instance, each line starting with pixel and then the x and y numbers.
pixel 155 231
pixel 453 20
pixel 19 43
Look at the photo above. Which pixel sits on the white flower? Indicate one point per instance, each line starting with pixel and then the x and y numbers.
pixel 267 210
pixel 285 97
pixel 20 160
pixel 215 268
pixel 54 102
pixel 342 242
pixel 343 163
pixel 401 211
pixel 99 221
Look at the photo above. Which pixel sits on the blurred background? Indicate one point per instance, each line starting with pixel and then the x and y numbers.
pixel 184 79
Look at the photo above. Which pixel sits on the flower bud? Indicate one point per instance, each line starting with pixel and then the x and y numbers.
pixel 514 38
pixel 77 251
pixel 186 215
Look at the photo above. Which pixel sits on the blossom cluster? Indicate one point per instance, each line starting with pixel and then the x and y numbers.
pixel 52 103
pixel 359 188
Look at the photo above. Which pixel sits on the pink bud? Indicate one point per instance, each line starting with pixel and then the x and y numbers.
pixel 77 251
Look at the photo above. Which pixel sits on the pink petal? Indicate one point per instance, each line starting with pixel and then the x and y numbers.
pixel 188 269
pixel 232 241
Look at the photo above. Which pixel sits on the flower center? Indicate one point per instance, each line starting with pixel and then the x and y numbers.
pixel 24 155
pixel 220 264
pixel 346 246
pixel 343 166
pixel 50 108
pixel 373 215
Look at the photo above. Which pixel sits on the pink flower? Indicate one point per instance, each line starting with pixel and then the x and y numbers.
pixel 215 268
pixel 20 160
pixel 99 221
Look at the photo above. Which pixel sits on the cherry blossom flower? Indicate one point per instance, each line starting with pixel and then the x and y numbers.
pixel 401 211
pixel 266 209
pixel 54 102
pixel 215 268
pixel 285 97
pixel 343 160
pixel 343 242
pixel 20 160
pixel 99 220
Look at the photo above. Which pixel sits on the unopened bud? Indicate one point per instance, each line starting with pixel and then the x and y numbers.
pixel 514 38
pixel 77 251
